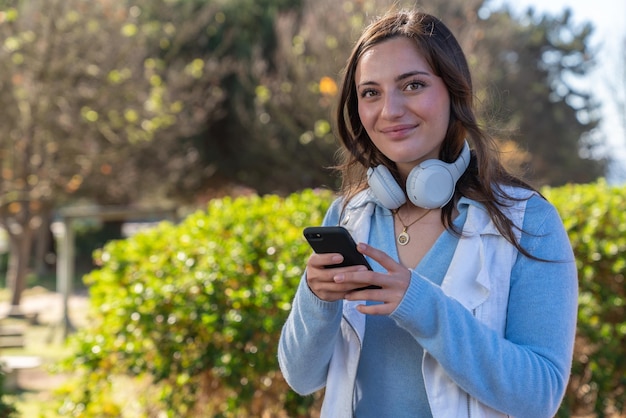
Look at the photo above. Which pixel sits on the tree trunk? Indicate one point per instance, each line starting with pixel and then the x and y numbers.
pixel 43 245
pixel 19 256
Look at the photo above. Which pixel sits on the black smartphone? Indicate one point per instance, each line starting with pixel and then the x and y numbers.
pixel 336 239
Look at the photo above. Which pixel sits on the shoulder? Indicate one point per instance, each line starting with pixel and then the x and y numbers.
pixel 536 209
pixel 355 203
pixel 520 204
pixel 514 196
pixel 515 203
pixel 541 216
pixel 531 211
pixel 360 202
pixel 543 233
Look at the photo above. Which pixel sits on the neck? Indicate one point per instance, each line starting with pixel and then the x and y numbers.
pixel 409 209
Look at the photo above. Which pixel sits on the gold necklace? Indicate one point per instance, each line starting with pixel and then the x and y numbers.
pixel 403 237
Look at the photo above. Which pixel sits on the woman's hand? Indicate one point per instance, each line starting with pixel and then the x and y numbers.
pixel 393 284
pixel 321 280
pixel 331 284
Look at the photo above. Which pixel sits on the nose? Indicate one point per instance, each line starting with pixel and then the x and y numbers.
pixel 393 105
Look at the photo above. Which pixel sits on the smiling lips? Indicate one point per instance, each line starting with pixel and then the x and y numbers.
pixel 398 131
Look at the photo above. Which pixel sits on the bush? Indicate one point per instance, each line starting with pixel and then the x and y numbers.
pixel 7 409
pixel 595 218
pixel 193 312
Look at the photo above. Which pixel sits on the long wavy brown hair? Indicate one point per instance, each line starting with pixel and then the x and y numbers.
pixel 483 179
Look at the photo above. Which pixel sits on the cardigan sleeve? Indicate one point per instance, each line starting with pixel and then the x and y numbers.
pixel 308 337
pixel 307 340
pixel 524 373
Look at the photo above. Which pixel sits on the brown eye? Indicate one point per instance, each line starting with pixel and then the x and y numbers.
pixel 415 85
pixel 368 93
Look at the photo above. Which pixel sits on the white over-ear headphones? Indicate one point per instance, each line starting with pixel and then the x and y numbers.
pixel 429 185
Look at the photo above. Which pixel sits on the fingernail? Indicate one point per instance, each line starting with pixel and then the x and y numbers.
pixel 337 259
pixel 361 246
pixel 339 278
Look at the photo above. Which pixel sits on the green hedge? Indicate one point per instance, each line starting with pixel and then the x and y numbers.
pixel 185 318
pixel 594 216
pixel 7 409
pixel 193 312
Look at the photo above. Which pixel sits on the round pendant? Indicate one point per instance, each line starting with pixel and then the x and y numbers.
pixel 403 238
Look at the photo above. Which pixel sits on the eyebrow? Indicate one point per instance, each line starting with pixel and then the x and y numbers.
pixel 400 77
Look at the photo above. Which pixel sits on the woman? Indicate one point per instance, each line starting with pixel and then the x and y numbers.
pixel 475 314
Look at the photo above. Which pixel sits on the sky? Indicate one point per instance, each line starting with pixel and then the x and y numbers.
pixel 609 20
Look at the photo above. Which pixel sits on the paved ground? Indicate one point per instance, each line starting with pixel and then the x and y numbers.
pixel 44 340
pixel 49 305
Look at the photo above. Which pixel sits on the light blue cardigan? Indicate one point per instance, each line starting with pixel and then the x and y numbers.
pixel 497 333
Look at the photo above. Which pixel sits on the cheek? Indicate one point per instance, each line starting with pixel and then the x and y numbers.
pixel 440 109
pixel 445 117
pixel 367 116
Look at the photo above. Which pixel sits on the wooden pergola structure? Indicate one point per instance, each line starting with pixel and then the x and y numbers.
pixel 63 231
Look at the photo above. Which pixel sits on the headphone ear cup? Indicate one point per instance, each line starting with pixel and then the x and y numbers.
pixel 385 187
pixel 430 185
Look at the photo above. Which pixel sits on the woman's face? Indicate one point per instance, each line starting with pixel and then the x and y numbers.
pixel 403 106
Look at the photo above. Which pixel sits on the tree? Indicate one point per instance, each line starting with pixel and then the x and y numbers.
pixel 621 94
pixel 80 92
pixel 523 70
pixel 296 95
pixel 249 144
pixel 530 65
pixel 615 75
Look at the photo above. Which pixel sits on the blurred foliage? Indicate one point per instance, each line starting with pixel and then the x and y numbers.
pixel 118 102
pixel 80 90
pixel 121 102
pixel 82 94
pixel 196 309
pixel 594 216
pixel 7 409
pixel 532 86
pixel 145 99
pixel 285 99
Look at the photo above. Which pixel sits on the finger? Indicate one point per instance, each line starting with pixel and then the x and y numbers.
pixel 357 276
pixel 359 283
pixel 332 261
pixel 331 291
pixel 377 309
pixel 381 257
pixel 322 281
pixel 323 260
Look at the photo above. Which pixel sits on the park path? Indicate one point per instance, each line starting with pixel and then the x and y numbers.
pixel 49 305
pixel 45 338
